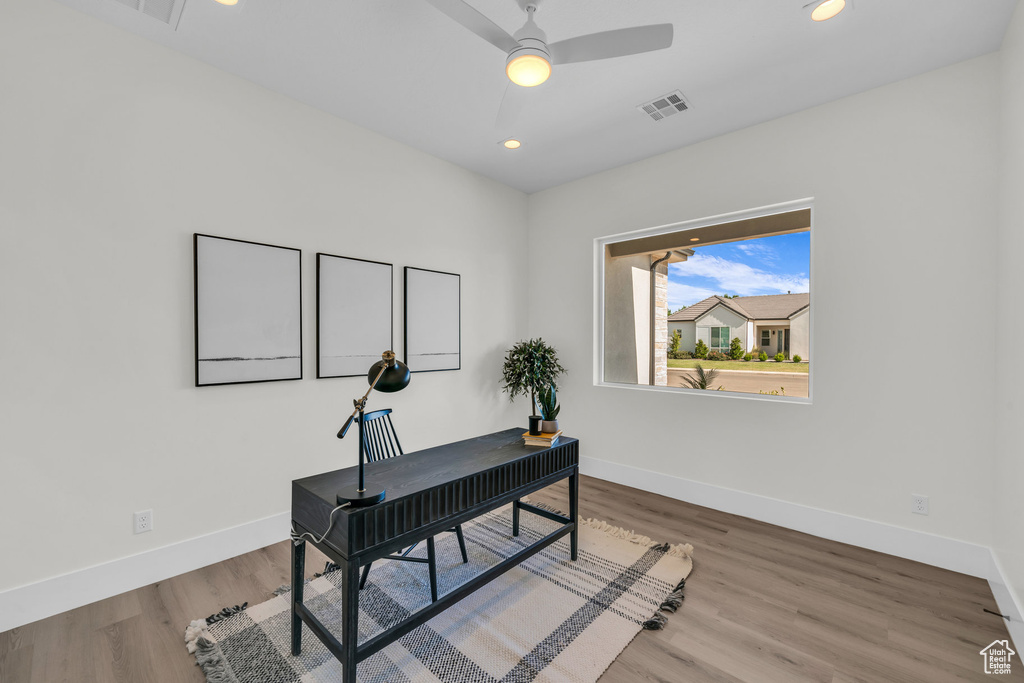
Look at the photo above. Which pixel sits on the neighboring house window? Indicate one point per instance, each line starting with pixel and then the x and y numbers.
pixel 766 338
pixel 719 339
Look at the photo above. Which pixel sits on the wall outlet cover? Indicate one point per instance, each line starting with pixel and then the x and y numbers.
pixel 918 504
pixel 143 521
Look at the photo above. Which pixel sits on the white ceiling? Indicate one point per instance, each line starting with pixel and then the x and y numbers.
pixel 403 69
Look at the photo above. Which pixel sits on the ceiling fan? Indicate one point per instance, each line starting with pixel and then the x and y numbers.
pixel 530 56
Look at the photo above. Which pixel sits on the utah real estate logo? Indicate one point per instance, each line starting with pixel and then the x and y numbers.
pixel 997 657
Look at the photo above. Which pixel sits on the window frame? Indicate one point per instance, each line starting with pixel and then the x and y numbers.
pixel 602 243
pixel 728 338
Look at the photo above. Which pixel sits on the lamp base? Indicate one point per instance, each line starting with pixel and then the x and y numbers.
pixel 371 495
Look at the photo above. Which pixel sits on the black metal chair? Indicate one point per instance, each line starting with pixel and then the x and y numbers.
pixel 380 441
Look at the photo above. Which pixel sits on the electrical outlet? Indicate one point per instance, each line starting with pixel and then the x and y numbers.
pixel 143 521
pixel 918 504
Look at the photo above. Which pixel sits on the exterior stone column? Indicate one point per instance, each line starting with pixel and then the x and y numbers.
pixel 661 325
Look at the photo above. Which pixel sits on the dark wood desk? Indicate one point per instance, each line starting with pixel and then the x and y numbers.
pixel 428 492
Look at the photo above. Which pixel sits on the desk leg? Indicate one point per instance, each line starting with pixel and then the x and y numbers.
pixel 574 512
pixel 350 620
pixel 298 576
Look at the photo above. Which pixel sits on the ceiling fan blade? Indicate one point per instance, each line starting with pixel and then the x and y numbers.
pixel 477 23
pixel 617 43
pixel 512 103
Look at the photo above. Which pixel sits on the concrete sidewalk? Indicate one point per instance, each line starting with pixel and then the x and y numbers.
pixel 748 381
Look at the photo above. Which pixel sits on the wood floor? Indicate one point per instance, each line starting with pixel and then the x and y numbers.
pixel 762 604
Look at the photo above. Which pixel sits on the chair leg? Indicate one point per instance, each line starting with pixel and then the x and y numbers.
pixel 366 572
pixel 432 564
pixel 462 544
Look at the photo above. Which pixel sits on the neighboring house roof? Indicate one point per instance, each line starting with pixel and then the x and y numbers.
pixel 768 307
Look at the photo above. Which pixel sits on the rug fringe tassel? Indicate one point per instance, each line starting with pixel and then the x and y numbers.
pixel 225 613
pixel 656 623
pixel 682 550
pixel 211 659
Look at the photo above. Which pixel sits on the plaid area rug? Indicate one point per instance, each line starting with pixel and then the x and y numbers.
pixel 549 619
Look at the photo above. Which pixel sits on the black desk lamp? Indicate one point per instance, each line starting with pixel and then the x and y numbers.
pixel 387 375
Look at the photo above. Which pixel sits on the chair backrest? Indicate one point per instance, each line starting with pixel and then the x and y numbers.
pixel 379 438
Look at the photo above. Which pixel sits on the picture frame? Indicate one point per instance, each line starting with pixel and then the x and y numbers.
pixel 248 311
pixel 354 314
pixel 433 320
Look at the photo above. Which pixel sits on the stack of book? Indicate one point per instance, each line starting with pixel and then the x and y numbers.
pixel 542 439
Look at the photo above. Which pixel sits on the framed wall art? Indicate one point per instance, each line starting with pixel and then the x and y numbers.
pixel 433 334
pixel 354 318
pixel 248 311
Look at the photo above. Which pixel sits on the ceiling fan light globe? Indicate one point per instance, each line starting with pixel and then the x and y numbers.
pixel 527 69
pixel 828 9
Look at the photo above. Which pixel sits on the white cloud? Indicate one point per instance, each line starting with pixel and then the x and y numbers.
pixel 680 295
pixel 739 278
pixel 762 252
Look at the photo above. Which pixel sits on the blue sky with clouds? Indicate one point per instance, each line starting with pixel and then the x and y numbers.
pixel 769 265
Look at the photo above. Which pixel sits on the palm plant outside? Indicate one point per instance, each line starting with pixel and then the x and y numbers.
pixel 703 378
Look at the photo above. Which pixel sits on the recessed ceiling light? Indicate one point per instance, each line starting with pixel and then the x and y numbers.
pixel 695 239
pixel 512 143
pixel 228 2
pixel 827 10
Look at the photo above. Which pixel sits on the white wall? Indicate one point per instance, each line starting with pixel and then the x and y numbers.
pixel 113 151
pixel 897 175
pixel 1007 479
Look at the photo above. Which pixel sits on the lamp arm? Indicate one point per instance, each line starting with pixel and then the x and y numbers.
pixel 360 404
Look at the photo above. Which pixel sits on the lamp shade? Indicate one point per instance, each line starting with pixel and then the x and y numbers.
pixel 395 378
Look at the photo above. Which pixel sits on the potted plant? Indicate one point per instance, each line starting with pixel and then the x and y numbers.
pixel 549 410
pixel 529 367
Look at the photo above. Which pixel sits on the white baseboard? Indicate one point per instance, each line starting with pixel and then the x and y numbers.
pixel 1008 601
pixel 25 604
pixel 938 551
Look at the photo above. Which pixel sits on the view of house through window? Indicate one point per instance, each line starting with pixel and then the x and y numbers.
pixel 718 308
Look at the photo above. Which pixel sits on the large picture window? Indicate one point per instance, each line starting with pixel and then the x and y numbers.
pixel 674 299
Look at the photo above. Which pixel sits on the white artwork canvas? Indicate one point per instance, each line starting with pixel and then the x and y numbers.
pixel 432 320
pixel 354 314
pixel 248 311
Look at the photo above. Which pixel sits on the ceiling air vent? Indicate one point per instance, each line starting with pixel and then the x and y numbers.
pixel 167 11
pixel 665 106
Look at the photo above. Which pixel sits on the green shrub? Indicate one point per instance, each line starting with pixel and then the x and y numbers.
pixel 797 359
pixel 673 343
pixel 701 350
pixel 748 356
pixel 736 349
pixel 680 355
pixel 762 356
pixel 717 355
pixel 779 357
